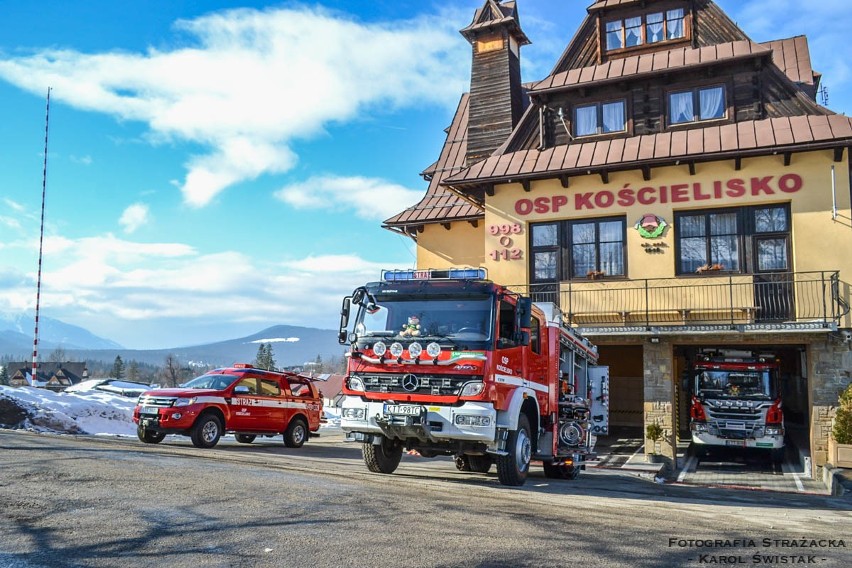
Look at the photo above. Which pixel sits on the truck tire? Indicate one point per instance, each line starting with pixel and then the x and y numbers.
pixel 245 438
pixel 382 458
pixel 149 437
pixel 462 462
pixel 296 434
pixel 554 471
pixel 480 464
pixel 512 468
pixel 206 431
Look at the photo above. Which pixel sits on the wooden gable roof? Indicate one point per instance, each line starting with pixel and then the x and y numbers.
pixel 742 139
pixel 793 57
pixel 495 14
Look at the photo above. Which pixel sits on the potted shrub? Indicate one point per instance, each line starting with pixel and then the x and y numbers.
pixel 840 441
pixel 655 433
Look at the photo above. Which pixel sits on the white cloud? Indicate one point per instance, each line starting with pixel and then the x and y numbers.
pixel 370 198
pixel 13 205
pixel 133 217
pixel 248 83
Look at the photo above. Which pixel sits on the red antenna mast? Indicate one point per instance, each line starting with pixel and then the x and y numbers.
pixel 40 243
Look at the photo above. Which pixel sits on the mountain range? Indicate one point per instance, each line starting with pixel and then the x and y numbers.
pixel 291 345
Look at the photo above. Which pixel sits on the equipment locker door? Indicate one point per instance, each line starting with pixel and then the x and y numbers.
pixel 599 393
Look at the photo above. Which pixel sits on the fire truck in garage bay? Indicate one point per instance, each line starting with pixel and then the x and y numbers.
pixel 446 362
pixel 736 402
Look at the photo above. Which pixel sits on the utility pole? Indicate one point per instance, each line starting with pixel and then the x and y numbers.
pixel 40 244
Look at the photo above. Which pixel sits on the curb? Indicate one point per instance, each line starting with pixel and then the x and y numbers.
pixel 838 481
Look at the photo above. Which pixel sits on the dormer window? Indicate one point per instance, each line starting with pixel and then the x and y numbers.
pixel 645 29
pixel 600 118
pixel 694 105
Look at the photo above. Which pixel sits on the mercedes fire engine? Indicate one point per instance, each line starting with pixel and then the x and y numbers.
pixel 446 362
pixel 736 402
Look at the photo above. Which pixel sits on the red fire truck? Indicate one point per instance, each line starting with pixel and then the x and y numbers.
pixel 736 402
pixel 446 362
pixel 242 399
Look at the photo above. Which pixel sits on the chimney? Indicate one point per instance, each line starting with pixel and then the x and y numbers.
pixel 496 96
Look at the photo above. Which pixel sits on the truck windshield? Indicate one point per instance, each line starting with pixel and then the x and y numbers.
pixel 734 384
pixel 463 319
pixel 217 382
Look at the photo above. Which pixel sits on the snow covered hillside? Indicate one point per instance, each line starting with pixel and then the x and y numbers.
pixel 79 412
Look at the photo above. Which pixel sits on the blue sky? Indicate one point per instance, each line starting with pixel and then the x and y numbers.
pixel 218 167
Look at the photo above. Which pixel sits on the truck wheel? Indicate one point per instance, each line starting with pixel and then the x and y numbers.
pixel 206 431
pixel 480 464
pixel 149 437
pixel 245 438
pixel 512 468
pixel 383 458
pixel 462 462
pixel 554 471
pixel 296 434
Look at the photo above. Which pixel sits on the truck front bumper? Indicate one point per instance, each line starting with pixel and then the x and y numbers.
pixel 765 441
pixel 472 421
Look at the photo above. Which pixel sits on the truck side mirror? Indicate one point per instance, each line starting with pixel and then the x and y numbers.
pixel 524 313
pixel 522 338
pixel 344 319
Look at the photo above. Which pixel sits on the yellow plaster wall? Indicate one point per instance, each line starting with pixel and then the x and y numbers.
pixel 461 246
pixel 818 242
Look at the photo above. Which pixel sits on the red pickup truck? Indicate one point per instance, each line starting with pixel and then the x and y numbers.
pixel 241 399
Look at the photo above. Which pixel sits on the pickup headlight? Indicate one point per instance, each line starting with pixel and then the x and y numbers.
pixel 356 384
pixel 698 427
pixel 472 420
pixel 354 413
pixel 184 401
pixel 472 389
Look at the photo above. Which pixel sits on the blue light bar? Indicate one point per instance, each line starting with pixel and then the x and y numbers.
pixel 435 274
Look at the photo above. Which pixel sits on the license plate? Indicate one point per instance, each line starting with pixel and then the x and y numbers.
pixel 403 409
pixel 737 443
pixel 149 411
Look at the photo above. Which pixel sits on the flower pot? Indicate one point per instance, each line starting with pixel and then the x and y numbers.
pixel 839 455
pixel 654 458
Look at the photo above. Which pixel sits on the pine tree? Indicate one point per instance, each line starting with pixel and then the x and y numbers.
pixel 260 358
pixel 118 368
pixel 133 371
pixel 4 376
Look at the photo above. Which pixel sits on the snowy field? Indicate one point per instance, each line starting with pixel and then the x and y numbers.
pixel 80 410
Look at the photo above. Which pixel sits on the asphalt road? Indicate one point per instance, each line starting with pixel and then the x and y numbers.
pixel 84 501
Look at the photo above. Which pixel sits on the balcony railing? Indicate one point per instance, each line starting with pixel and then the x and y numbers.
pixel 790 299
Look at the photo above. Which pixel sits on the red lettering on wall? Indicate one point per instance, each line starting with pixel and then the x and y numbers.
pixel 604 199
pixel 583 200
pixel 676 193
pixel 680 193
pixel 626 197
pixel 790 183
pixel 645 191
pixel 696 192
pixel 559 201
pixel 761 185
pixel 736 188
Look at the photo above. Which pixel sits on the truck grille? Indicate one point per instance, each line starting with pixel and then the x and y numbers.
pixel 159 401
pixel 437 385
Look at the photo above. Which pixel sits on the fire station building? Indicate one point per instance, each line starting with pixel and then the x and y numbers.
pixel 672 185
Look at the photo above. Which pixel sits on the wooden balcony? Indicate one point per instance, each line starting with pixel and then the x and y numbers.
pixel 791 301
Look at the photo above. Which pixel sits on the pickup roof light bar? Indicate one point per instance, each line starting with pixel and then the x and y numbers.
pixel 434 274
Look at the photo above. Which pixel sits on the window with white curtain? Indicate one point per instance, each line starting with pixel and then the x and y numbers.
pixel 744 239
pixel 565 250
pixel 645 29
pixel 600 118
pixel 702 103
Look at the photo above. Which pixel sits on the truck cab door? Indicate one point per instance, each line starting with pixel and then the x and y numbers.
pixel 599 391
pixel 245 407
